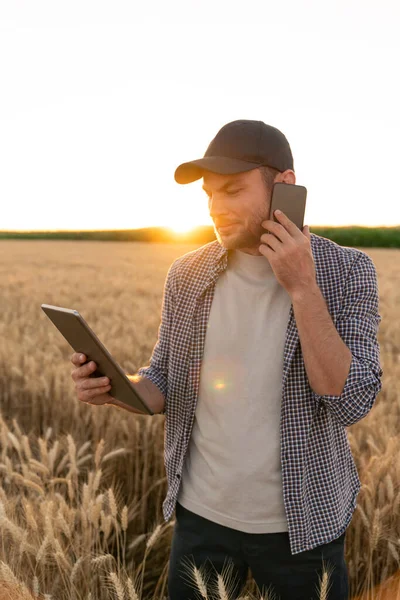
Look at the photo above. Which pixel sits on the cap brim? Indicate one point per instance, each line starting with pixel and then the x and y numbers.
pixel 193 170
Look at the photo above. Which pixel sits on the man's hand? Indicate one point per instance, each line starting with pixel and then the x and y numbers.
pixel 90 390
pixel 289 253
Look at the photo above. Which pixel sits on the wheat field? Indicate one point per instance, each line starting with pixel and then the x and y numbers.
pixel 81 487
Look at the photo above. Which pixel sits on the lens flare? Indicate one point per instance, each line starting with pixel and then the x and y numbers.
pixel 219 385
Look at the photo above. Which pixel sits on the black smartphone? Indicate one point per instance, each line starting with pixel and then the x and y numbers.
pixel 291 200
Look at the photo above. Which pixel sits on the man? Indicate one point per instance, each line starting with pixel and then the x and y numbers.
pixel 267 351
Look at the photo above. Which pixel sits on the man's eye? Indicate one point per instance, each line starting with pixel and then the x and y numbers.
pixel 229 192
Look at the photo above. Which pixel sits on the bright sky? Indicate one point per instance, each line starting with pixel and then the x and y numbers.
pixel 101 101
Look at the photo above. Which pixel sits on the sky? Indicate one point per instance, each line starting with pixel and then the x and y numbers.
pixel 101 101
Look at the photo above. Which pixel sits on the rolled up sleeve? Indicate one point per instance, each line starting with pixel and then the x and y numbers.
pixel 157 370
pixel 357 324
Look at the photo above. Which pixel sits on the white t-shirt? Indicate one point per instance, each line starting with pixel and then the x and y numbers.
pixel 232 470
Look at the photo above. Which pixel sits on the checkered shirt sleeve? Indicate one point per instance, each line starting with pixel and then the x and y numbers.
pixel 157 370
pixel 357 324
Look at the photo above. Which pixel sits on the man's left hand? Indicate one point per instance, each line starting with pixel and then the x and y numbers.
pixel 289 253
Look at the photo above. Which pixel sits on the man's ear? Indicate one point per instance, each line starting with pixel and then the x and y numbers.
pixel 287 176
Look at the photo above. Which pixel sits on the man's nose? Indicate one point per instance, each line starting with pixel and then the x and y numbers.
pixel 216 206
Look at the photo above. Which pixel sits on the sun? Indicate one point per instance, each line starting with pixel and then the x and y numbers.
pixel 185 217
pixel 181 228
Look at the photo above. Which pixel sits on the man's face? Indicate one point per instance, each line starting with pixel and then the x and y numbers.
pixel 242 202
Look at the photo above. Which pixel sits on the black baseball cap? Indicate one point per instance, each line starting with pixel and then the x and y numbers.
pixel 240 146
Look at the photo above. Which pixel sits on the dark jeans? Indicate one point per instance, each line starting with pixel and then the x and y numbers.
pixel 275 570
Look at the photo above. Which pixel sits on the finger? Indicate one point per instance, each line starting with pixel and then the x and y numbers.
pixel 84 371
pixel 89 383
pixel 287 223
pixel 266 251
pixel 277 229
pixel 78 359
pixel 100 400
pixel 271 240
pixel 85 395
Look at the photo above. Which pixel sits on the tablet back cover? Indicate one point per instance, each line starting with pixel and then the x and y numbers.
pixel 83 339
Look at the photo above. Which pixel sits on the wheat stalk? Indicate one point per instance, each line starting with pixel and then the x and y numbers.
pixel 44 452
pixel 324 587
pixel 223 594
pixel 72 455
pixel 86 497
pixel 394 552
pixel 131 590
pixel 40 467
pixel 106 522
pixel 62 524
pixel 99 453
pixel 117 585
pixel 196 576
pixel 42 550
pixel 14 441
pixel 124 518
pixel 200 582
pixel 48 526
pixel 17 428
pixel 94 514
pixel 30 517
pixel 33 486
pixel 7 576
pixel 35 585
pixel 324 583
pixel 363 516
pixel 103 558
pixel 390 488
pixel 113 454
pixel 75 569
pixel 153 538
pixel 6 523
pixel 83 449
pixel 112 503
pixel 376 529
pixel 96 480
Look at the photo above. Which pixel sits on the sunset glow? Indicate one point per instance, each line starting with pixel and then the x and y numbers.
pixel 181 228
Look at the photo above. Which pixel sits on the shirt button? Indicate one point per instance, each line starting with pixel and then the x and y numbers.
pixel 178 476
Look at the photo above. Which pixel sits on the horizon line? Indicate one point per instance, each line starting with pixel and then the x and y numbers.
pixel 171 228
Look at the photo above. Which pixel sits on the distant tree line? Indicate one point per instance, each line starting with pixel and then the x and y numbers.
pixel 368 237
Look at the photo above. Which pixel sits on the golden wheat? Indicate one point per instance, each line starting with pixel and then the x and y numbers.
pixel 131 590
pixel 117 585
pixel 201 586
pixel 124 518
pixel 59 458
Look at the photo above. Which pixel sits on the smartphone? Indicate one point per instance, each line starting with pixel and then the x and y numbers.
pixel 291 200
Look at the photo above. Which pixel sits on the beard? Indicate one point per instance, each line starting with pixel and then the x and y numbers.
pixel 243 235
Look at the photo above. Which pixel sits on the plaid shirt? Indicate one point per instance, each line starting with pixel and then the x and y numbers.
pixel 319 476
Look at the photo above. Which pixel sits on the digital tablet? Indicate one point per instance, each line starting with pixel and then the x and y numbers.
pixel 82 339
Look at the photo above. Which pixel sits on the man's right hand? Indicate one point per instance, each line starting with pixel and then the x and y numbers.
pixel 91 390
